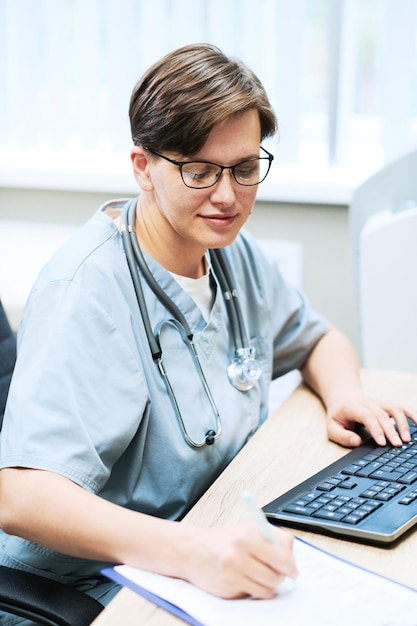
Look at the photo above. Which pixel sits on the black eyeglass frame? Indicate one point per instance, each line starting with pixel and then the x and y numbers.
pixel 180 164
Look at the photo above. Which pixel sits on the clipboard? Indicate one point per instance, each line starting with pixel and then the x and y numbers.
pixel 114 574
pixel 329 591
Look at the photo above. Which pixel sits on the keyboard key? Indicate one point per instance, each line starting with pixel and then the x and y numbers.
pixel 351 469
pixel 409 478
pixel 325 486
pixel 352 519
pixel 296 508
pixel 334 480
pixel 324 499
pixel 345 510
pixel 329 515
pixel 406 500
pixel 384 475
pixel 329 507
pixel 371 506
pixel 362 513
pixel 348 484
pixel 381 484
pixel 344 498
pixel 310 496
pixel 369 493
pixel 407 466
pixel 351 506
pixel 339 502
pixel 368 469
pixel 358 501
pixel 384 496
pixel 371 457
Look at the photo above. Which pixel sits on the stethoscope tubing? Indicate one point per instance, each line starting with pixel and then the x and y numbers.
pixel 131 262
pixel 238 368
pixel 230 297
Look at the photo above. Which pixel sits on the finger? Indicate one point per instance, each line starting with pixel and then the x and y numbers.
pixel 274 557
pixel 261 581
pixel 401 415
pixel 263 578
pixel 275 560
pixel 382 429
pixel 400 418
pixel 285 555
pixel 339 433
pixel 411 413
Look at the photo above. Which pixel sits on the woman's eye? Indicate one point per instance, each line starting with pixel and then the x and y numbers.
pixel 246 171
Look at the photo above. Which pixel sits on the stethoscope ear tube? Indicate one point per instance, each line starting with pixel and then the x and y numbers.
pixel 160 293
pixel 126 236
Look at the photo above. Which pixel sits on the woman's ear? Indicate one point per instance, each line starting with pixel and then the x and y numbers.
pixel 140 162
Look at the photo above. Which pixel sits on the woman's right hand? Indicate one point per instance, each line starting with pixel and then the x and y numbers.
pixel 237 561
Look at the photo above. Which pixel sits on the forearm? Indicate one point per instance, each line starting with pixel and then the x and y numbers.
pixel 53 511
pixel 227 561
pixel 333 369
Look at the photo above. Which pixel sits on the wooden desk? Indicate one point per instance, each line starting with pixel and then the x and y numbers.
pixel 268 467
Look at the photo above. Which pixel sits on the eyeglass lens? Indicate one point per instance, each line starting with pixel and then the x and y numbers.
pixel 199 174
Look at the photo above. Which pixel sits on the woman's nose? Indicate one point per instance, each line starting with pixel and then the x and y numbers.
pixel 224 190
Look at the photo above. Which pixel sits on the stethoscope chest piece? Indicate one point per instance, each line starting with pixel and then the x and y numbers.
pixel 244 371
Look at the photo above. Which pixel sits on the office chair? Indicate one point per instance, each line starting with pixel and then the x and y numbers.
pixel 25 594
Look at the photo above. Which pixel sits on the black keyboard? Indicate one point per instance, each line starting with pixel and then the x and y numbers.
pixel 369 495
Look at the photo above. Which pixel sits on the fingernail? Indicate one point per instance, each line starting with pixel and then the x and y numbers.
pixel 354 441
pixel 381 441
pixel 288 584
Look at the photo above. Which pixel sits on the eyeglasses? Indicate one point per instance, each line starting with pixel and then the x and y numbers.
pixel 203 174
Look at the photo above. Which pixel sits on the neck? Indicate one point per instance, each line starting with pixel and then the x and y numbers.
pixel 171 253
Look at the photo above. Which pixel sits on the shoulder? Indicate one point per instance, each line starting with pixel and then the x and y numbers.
pixel 84 293
pixel 89 268
pixel 87 247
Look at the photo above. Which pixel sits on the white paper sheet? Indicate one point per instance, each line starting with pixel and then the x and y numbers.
pixel 328 592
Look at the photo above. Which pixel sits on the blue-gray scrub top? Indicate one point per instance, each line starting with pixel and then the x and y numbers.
pixel 88 402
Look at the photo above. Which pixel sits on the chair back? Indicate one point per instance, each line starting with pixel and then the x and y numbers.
pixel 7 358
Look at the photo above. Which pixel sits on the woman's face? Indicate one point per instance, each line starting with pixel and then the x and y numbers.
pixel 189 221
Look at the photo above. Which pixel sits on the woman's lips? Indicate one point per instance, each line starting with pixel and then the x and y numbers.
pixel 219 221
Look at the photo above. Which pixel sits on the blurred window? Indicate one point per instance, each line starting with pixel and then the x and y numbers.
pixel 341 74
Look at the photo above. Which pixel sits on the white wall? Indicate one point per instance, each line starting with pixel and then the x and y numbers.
pixel 327 256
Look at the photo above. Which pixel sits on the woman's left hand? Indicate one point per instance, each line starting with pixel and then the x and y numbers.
pixel 378 417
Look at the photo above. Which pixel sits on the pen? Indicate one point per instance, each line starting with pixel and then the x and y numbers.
pixel 288 584
pixel 259 517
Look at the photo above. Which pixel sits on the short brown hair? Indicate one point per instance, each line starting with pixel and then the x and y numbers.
pixel 176 103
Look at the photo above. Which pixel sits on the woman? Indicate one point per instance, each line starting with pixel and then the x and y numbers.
pixel 102 455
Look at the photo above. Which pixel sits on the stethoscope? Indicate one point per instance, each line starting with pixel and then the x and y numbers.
pixel 243 371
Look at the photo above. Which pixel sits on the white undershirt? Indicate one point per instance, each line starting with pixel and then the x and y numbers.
pixel 199 289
